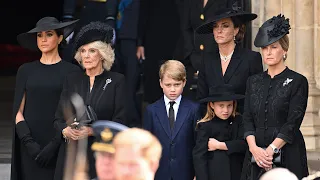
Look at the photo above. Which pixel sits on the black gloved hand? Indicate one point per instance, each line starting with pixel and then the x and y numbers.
pixel 26 139
pixel 49 151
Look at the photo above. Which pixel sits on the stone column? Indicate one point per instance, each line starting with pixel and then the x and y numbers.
pixel 305 56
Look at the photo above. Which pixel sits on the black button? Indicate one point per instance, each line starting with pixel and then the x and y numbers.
pixel 266 102
pixel 266 110
pixel 266 120
pixel 266 128
pixel 270 87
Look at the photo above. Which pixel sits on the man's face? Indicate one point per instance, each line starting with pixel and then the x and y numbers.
pixel 105 166
pixel 130 165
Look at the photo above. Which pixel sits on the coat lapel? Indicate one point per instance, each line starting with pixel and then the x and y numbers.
pixel 162 117
pixel 183 113
pixel 216 65
pixel 233 65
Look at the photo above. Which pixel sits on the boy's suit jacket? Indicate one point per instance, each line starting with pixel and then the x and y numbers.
pixel 177 144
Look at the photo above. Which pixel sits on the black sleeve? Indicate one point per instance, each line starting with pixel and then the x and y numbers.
pixel 248 122
pixel 119 114
pixel 21 79
pixel 147 120
pixel 112 11
pixel 187 30
pixel 69 8
pixel 237 145
pixel 256 64
pixel 199 153
pixel 297 109
pixel 143 21
pixel 60 115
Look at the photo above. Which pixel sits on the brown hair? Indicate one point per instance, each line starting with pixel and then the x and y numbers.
pixel 174 69
pixel 210 113
pixel 284 43
pixel 237 23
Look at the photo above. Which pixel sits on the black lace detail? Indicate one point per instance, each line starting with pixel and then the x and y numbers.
pixel 281 26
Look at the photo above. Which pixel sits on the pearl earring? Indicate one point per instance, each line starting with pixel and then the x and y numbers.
pixel 284 56
pixel 234 38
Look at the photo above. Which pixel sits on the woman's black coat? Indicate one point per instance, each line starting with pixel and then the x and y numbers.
pixel 243 63
pixel 106 99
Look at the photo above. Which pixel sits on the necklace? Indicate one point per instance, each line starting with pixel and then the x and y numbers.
pixel 226 58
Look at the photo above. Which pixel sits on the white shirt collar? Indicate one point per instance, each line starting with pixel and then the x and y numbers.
pixel 167 100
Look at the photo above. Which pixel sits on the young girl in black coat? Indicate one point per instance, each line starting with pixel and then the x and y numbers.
pixel 220 147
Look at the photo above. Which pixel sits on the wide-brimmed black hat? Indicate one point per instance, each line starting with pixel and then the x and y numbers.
pixel 104 132
pixel 223 92
pixel 94 31
pixel 234 11
pixel 272 30
pixel 29 39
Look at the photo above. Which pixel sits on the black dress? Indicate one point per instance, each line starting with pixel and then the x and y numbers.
pixel 42 85
pixel 275 108
pixel 243 63
pixel 106 99
pixel 219 164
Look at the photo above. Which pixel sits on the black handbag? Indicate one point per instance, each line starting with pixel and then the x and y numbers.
pixel 277 158
pixel 86 120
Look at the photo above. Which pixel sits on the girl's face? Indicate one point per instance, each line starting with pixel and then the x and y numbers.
pixel 222 109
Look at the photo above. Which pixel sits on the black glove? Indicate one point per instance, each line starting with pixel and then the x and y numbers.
pixel 26 139
pixel 49 151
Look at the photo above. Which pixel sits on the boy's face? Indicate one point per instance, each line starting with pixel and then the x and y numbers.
pixel 171 88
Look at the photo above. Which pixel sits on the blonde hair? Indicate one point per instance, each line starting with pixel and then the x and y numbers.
pixel 148 144
pixel 174 69
pixel 105 51
pixel 210 112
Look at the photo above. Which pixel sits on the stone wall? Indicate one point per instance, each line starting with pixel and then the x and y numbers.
pixel 304 52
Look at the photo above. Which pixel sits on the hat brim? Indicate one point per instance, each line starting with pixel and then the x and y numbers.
pixel 262 39
pixel 222 98
pixel 103 147
pixel 207 28
pixel 28 40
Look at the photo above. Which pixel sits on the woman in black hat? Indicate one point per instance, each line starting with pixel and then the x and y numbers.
pixel 100 88
pixel 275 105
pixel 196 13
pixel 220 147
pixel 229 63
pixel 37 91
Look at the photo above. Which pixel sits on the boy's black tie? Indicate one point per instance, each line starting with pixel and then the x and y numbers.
pixel 171 114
